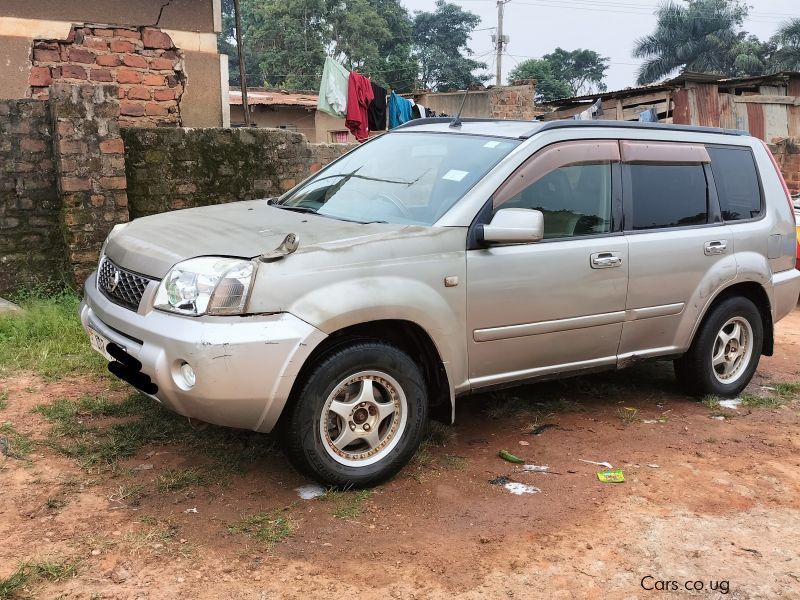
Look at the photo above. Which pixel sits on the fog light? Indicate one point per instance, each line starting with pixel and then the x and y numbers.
pixel 187 372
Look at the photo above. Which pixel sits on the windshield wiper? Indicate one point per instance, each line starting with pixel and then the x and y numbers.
pixel 300 209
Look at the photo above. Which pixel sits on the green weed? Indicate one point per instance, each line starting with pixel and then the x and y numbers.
pixel 269 528
pixel 3 399
pixel 761 401
pixel 17 445
pixel 347 504
pixel 28 574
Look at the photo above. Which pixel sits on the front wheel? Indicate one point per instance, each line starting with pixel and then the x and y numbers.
pixel 359 416
pixel 726 350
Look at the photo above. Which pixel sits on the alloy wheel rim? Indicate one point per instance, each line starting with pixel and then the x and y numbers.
pixel 363 418
pixel 732 350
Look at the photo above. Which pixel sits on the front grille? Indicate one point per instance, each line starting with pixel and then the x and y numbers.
pixel 120 286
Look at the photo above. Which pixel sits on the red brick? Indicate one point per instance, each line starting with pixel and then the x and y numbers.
pixel 75 184
pixel 40 76
pixel 96 43
pixel 108 60
pixel 134 60
pixel 97 200
pixel 65 128
pixel 120 93
pixel 134 109
pixel 139 93
pixel 103 75
pixel 153 79
pixel 46 55
pixel 32 145
pixel 162 64
pixel 121 46
pixel 154 109
pixel 128 76
pixel 164 94
pixel 79 55
pixel 113 183
pixel 46 45
pixel 73 72
pixel 71 147
pixel 112 146
pixel 154 38
pixel 128 33
pixel 103 32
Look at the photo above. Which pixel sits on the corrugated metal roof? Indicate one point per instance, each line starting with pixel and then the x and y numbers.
pixel 274 98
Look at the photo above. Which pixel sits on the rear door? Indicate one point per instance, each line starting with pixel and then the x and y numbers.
pixel 680 250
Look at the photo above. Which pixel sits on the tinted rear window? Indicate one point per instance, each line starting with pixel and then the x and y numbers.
pixel 737 182
pixel 668 195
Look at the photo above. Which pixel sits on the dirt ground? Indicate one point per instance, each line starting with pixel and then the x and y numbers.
pixel 711 500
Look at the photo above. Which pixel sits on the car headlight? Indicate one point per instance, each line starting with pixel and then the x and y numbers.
pixel 207 285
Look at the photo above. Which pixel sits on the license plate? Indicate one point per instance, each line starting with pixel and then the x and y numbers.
pixel 99 344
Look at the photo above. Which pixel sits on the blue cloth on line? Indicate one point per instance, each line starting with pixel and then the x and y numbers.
pixel 399 110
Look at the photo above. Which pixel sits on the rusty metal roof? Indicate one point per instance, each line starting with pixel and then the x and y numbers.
pixel 274 98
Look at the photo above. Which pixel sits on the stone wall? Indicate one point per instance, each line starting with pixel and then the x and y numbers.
pixel 90 164
pixel 168 169
pixel 31 246
pixel 787 153
pixel 515 101
pixel 142 61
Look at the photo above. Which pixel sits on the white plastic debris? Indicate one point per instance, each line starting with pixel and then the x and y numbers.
pixel 734 404
pixel 653 466
pixel 310 491
pixel 190 510
pixel 535 468
pixel 607 465
pixel 650 421
pixel 521 488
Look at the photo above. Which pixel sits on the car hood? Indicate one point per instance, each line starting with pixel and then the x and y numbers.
pixel 153 245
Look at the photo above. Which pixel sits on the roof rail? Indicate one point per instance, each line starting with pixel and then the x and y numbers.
pixel 567 123
pixel 429 120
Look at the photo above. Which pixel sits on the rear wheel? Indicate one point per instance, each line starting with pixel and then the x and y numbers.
pixel 359 416
pixel 726 350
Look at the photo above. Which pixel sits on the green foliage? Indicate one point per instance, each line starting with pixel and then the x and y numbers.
pixel 18 445
pixel 28 574
pixel 549 87
pixel 762 401
pixel 46 337
pixel 270 528
pixel 440 46
pixel 701 35
pixel 786 56
pixel 564 73
pixel 347 504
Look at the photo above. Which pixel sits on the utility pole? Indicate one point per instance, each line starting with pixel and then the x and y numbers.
pixel 500 41
pixel 242 72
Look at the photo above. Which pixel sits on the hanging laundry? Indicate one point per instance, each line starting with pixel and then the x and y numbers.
pixel 359 96
pixel 415 112
pixel 376 112
pixel 399 110
pixel 333 89
pixel 595 111
pixel 649 116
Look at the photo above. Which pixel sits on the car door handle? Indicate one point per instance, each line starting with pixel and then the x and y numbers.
pixel 605 260
pixel 715 247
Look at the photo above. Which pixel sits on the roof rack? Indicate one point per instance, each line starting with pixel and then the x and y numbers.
pixel 567 123
pixel 429 120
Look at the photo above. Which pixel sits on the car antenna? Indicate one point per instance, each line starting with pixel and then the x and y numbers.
pixel 456 122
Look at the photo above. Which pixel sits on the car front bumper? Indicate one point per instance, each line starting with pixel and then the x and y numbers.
pixel 244 366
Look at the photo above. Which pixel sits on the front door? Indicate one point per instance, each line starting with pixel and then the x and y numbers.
pixel 558 304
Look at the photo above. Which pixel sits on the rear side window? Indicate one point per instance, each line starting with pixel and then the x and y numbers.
pixel 667 195
pixel 736 179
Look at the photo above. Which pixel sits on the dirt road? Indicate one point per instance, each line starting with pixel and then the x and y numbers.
pixel 710 502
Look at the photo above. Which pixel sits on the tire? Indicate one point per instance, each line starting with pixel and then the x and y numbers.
pixel 386 417
pixel 738 320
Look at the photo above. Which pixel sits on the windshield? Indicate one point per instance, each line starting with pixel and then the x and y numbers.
pixel 401 178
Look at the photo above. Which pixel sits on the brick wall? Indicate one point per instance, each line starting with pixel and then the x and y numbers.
pixel 168 169
pixel 515 101
pixel 31 246
pixel 143 62
pixel 787 153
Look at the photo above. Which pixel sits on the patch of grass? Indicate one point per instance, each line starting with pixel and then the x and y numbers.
pixel 55 503
pixel 17 445
pixel 787 390
pixel 174 480
pixel 439 434
pixel 28 574
pixel 628 415
pixel 454 463
pixel 132 492
pixel 711 402
pixel 156 538
pixel 347 504
pixel 3 399
pixel 761 401
pixel 269 528
pixel 47 337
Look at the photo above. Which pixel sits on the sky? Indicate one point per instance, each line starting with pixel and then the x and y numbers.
pixel 609 27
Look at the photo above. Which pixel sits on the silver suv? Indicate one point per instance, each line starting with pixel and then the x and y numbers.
pixel 445 258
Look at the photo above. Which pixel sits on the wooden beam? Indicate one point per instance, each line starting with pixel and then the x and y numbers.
pixel 790 100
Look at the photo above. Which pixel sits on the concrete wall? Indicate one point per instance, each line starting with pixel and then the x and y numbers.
pixel 315 125
pixel 192 25
pixel 31 246
pixel 498 102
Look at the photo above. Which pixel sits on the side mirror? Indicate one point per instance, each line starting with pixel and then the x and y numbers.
pixel 513 226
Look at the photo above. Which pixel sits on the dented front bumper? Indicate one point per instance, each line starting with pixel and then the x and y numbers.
pixel 244 366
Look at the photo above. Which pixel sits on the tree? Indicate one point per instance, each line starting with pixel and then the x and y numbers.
pixel 440 47
pixel 548 86
pixel 564 73
pixel 702 35
pixel 786 56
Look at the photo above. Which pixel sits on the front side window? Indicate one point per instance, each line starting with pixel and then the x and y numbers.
pixel 400 177
pixel 737 184
pixel 570 183
pixel 666 195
